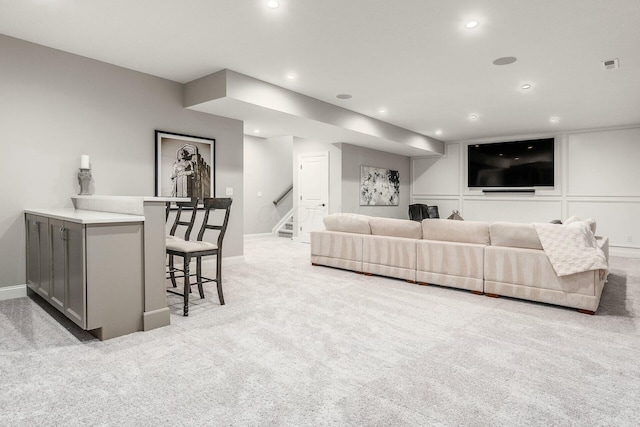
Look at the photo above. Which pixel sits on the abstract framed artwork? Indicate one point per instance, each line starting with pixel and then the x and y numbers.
pixel 379 186
pixel 185 166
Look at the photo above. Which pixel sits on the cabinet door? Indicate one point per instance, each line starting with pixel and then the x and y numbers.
pixel 38 270
pixel 44 285
pixel 33 252
pixel 76 302
pixel 58 263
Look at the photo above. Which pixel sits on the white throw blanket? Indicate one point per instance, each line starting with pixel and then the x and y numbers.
pixel 571 248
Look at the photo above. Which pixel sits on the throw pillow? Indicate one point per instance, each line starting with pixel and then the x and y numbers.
pixel 455 215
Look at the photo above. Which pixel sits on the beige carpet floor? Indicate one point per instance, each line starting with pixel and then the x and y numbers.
pixel 298 345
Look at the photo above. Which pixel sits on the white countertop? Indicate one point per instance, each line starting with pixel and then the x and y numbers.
pixel 85 216
pixel 134 198
pixel 129 205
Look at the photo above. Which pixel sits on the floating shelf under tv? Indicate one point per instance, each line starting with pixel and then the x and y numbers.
pixel 508 190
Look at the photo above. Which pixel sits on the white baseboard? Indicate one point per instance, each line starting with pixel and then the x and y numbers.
pixel 11 292
pixel 624 252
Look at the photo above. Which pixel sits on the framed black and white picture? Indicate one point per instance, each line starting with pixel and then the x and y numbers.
pixel 185 165
pixel 379 186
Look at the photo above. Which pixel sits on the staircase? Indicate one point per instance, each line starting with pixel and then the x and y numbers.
pixel 287 229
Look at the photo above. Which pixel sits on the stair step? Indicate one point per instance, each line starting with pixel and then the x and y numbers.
pixel 288 225
pixel 285 233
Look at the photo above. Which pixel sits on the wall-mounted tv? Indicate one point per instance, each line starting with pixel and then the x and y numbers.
pixel 511 164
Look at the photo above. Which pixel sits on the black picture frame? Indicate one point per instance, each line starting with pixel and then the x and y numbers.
pixel 184 165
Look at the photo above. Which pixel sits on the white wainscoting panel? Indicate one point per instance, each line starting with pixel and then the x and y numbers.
pixel 616 219
pixel 437 175
pixel 603 163
pixel 511 210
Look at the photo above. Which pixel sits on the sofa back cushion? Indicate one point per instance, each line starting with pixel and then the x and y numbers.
pixel 347 223
pixel 456 231
pixel 515 235
pixel 395 227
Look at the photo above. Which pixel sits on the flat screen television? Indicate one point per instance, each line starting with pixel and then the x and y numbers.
pixel 511 164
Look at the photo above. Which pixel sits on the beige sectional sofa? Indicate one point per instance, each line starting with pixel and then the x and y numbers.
pixel 495 259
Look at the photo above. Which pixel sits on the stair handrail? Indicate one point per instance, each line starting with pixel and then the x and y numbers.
pixel 281 197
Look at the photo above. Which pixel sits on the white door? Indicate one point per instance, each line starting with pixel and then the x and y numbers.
pixel 313 193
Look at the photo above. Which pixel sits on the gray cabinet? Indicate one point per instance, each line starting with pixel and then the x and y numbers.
pixel 68 288
pixel 38 259
pixel 56 264
pixel 93 273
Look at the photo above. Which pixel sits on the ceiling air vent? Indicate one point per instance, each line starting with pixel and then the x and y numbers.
pixel 610 64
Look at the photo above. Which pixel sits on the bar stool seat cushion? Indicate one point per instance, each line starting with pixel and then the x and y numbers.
pixel 188 246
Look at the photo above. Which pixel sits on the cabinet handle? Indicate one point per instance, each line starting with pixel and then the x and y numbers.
pixel 62 233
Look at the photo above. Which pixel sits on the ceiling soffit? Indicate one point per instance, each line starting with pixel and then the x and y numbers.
pixel 277 111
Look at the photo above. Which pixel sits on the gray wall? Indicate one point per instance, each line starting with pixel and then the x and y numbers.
pixel 56 106
pixel 344 177
pixel 352 158
pixel 267 169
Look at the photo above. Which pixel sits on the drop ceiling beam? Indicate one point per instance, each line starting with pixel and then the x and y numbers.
pixel 252 99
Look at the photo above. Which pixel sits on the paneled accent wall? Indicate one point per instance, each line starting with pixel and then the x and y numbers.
pixel 597 175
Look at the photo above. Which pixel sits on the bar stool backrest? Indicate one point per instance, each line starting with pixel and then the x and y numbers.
pixel 191 205
pixel 213 204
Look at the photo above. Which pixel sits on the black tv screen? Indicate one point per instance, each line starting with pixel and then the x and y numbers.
pixel 511 164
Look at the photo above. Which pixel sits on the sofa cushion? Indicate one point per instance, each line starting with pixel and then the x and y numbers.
pixel 456 231
pixel 395 227
pixel 348 223
pixel 515 235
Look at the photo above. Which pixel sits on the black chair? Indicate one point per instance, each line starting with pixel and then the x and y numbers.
pixel 199 248
pixel 179 222
pixel 433 212
pixel 419 211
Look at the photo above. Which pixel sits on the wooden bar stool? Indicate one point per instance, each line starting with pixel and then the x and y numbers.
pixel 199 249
pixel 179 222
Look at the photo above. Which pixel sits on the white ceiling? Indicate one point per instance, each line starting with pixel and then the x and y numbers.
pixel 412 57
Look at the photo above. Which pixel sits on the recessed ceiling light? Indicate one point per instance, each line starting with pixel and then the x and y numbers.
pixel 473 117
pixel 344 96
pixel 438 132
pixel 382 110
pixel 273 4
pixel 505 60
pixel 525 86
pixel 554 119
pixel 291 76
pixel 256 131
pixel 471 24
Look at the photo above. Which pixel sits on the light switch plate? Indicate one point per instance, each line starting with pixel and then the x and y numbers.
pixel 229 191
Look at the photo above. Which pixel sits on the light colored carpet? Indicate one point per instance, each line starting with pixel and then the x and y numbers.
pixel 300 345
